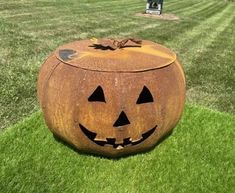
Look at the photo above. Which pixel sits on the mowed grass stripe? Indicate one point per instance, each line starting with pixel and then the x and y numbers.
pixel 197 157
pixel 220 73
pixel 187 6
pixel 197 37
pixel 58 18
pixel 170 31
pixel 192 46
pixel 141 7
pixel 80 9
pixel 210 11
pixel 122 26
pixel 60 23
pixel 200 10
pixel 60 15
pixel 192 6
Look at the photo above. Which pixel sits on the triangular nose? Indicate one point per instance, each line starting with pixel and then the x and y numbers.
pixel 122 120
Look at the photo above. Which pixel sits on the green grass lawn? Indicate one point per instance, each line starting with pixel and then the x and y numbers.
pixel 197 157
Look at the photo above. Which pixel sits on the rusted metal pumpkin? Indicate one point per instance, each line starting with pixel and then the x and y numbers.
pixel 112 97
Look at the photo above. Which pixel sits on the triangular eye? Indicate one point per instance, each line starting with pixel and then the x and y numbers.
pixel 145 96
pixel 97 95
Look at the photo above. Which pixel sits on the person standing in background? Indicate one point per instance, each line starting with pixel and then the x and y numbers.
pixel 157 4
pixel 160 5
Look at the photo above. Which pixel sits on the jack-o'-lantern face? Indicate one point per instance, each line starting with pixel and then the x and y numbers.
pixel 112 102
pixel 120 124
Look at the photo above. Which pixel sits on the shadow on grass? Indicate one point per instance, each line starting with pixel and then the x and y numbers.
pixel 72 147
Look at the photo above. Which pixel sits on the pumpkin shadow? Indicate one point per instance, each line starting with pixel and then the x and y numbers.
pixel 73 148
pixel 163 138
pixel 60 140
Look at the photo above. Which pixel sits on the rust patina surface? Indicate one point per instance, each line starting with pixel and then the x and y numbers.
pixel 111 101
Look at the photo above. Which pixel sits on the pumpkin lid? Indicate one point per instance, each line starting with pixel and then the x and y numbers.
pixel 84 54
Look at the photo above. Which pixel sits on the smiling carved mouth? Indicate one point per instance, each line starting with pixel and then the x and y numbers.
pixel 111 141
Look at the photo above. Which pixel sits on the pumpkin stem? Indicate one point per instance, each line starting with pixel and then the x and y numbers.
pixel 114 44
